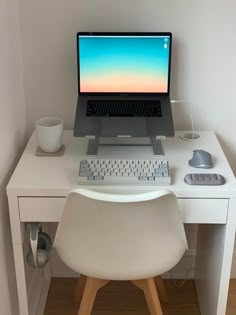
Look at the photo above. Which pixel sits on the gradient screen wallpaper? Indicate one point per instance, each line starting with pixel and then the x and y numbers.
pixel 123 64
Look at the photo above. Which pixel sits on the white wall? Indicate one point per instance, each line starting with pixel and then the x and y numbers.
pixel 203 67
pixel 203 71
pixel 12 128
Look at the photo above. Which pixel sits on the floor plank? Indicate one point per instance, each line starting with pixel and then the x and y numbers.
pixel 123 298
pixel 231 305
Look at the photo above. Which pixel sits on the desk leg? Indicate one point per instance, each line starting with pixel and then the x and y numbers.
pixel 213 263
pixel 17 240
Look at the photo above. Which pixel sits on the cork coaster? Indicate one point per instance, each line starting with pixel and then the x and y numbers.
pixel 60 152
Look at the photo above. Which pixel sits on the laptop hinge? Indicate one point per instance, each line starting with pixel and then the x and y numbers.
pixel 124 136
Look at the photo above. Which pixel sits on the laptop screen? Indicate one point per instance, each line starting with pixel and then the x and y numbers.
pixel 124 63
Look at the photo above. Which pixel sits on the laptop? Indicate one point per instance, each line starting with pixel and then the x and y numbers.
pixel 123 85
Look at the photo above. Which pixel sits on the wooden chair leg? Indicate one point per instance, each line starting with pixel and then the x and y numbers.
pixel 92 285
pixel 161 289
pixel 150 292
pixel 79 289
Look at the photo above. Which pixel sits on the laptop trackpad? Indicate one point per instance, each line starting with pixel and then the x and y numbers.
pixel 112 127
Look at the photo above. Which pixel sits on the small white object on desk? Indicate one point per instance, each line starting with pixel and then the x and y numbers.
pixel 190 136
pixel 49 133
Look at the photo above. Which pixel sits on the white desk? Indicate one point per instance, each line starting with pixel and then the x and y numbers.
pixel 39 186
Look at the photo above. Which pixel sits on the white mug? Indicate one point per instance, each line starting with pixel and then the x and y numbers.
pixel 49 132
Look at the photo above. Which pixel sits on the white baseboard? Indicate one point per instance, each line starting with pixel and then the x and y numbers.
pixel 185 268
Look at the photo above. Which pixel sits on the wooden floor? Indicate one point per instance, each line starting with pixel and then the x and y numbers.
pixel 122 298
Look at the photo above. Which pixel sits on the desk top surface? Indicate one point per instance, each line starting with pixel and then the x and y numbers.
pixel 56 176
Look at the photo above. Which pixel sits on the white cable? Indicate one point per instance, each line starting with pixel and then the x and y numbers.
pixel 192 135
pixel 183 281
pixel 191 118
pixel 192 123
pixel 186 135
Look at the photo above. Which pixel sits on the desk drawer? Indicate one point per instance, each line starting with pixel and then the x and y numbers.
pixel 49 209
pixel 41 209
pixel 204 210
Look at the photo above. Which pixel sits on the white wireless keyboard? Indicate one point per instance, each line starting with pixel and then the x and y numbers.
pixel 124 172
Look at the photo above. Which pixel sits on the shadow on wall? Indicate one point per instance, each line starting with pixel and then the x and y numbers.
pixel 9 294
pixel 177 68
pixel 6 259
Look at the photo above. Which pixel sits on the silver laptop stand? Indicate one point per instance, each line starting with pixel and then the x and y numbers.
pixel 94 144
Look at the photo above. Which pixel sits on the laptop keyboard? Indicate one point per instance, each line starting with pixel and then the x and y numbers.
pixel 124 108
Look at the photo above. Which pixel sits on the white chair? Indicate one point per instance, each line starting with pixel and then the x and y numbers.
pixel 120 237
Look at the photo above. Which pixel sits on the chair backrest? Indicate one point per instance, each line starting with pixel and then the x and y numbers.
pixel 121 237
